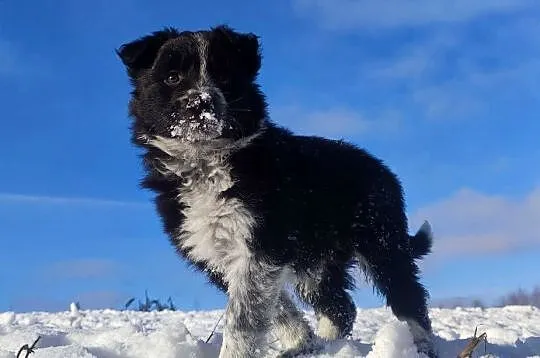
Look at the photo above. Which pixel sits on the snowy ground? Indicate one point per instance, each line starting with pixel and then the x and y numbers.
pixel 511 331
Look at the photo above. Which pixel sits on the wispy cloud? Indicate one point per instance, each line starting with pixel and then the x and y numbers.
pixel 458 73
pixel 101 299
pixel 20 63
pixel 441 60
pixel 337 122
pixel 82 269
pixel 473 223
pixel 7 58
pixel 354 14
pixel 33 303
pixel 10 198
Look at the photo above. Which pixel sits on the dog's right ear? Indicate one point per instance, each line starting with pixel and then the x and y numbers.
pixel 141 53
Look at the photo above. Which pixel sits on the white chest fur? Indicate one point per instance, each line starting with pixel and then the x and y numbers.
pixel 216 230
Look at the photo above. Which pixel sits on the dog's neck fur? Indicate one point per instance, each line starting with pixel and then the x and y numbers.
pixel 191 162
pixel 187 161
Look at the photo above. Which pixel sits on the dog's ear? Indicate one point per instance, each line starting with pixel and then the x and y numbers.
pixel 141 53
pixel 246 46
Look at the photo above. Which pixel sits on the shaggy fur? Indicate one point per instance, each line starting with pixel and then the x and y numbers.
pixel 256 207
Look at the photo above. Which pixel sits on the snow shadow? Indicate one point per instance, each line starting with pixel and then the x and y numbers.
pixel 57 340
pixel 101 352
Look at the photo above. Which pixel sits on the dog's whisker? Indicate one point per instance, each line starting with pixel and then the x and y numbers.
pixel 235 100
pixel 240 109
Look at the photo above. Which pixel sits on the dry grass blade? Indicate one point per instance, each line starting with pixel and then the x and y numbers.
pixel 28 349
pixel 215 327
pixel 473 343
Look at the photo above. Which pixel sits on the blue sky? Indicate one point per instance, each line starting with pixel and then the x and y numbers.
pixel 446 94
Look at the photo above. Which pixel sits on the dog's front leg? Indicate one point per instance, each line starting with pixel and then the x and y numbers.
pixel 253 291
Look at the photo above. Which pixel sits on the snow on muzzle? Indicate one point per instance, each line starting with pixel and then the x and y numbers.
pixel 197 118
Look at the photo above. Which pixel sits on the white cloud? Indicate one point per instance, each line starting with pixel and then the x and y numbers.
pixel 336 123
pixel 471 223
pixel 418 59
pixel 10 198
pixel 453 75
pixel 82 269
pixel 473 90
pixel 351 14
pixel 87 300
pixel 454 100
pixel 100 299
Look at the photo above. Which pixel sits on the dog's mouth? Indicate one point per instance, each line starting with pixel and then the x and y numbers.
pixel 204 126
pixel 199 119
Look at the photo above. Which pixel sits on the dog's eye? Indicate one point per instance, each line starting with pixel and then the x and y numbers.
pixel 173 78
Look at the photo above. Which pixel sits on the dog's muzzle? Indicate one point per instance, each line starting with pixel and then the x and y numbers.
pixel 197 117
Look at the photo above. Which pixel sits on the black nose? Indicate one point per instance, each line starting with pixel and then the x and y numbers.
pixel 197 101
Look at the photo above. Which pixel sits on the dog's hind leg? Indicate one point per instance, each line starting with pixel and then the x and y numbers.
pixel 395 275
pixel 334 308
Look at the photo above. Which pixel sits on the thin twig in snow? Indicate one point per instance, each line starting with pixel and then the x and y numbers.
pixel 28 349
pixel 215 327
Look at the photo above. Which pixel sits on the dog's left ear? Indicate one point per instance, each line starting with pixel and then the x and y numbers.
pixel 141 53
pixel 246 46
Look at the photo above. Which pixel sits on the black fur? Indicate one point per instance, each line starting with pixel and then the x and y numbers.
pixel 321 206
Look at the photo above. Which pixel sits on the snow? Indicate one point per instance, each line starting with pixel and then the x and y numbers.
pixel 205 96
pixel 512 331
pixel 209 116
pixel 196 127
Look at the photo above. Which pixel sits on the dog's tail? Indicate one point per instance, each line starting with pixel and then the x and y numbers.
pixel 420 244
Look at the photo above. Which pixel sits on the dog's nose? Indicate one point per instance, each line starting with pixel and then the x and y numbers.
pixel 197 100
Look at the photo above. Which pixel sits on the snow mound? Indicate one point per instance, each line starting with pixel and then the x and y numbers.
pixel 512 332
pixel 394 341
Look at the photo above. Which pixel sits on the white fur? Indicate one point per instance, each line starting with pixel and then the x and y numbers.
pixel 292 335
pixel 290 327
pixel 252 298
pixel 216 229
pixel 326 329
pixel 216 232
pixel 202 47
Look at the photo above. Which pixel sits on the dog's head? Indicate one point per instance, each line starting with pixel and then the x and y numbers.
pixel 197 88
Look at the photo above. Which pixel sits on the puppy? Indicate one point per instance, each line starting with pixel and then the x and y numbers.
pixel 259 209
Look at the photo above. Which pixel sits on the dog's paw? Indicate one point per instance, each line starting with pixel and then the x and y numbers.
pixel 313 347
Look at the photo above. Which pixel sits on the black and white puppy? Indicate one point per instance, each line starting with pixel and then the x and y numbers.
pixel 259 209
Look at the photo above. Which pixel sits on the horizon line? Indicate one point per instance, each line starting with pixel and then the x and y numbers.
pixel 65 200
